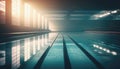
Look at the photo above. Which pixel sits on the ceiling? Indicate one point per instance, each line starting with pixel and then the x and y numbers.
pixel 76 4
pixel 73 11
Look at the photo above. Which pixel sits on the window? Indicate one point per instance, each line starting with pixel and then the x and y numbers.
pixel 34 18
pixel 46 24
pixel 16 12
pixel 43 22
pixel 38 21
pixel 2 11
pixel 27 11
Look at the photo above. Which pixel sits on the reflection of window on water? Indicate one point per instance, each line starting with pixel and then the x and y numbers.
pixel 15 54
pixel 27 49
pixel 2 11
pixel 51 36
pixel 39 40
pixel 42 41
pixel 34 46
pixel 46 39
pixel 2 58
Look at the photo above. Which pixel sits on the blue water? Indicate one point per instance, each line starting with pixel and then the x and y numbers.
pixel 25 53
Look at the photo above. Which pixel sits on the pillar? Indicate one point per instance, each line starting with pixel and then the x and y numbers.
pixel 8 12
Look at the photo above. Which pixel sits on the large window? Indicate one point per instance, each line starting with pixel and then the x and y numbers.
pixel 34 18
pixel 16 12
pixel 2 11
pixel 43 22
pixel 46 24
pixel 27 12
pixel 38 21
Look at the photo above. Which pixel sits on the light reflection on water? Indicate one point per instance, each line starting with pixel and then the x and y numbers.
pixel 106 50
pixel 15 53
pixel 34 46
pixel 27 49
pixel 2 57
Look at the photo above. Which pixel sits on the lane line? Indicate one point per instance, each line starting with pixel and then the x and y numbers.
pixel 66 57
pixel 99 66
pixel 39 64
